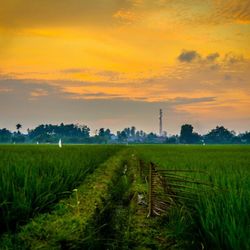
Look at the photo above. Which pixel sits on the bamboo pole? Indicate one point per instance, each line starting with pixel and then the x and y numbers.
pixel 150 190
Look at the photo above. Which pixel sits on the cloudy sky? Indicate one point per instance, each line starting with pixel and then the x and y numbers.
pixel 114 63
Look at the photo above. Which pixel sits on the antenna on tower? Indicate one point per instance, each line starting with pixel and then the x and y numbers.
pixel 160 128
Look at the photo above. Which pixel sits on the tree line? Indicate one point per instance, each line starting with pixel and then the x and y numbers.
pixel 75 133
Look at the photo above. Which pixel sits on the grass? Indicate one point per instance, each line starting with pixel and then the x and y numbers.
pixel 37 202
pixel 220 217
pixel 34 178
pixel 75 222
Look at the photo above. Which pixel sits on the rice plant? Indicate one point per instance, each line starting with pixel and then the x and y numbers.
pixel 34 178
pixel 220 216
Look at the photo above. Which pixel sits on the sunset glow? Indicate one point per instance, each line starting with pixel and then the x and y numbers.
pixel 114 63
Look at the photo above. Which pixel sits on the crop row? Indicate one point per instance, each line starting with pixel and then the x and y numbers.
pixel 34 178
pixel 108 208
pixel 75 222
pixel 219 216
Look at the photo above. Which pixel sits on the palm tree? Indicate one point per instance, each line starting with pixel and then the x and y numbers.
pixel 18 126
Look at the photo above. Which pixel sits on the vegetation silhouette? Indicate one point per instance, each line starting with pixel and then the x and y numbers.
pixel 75 133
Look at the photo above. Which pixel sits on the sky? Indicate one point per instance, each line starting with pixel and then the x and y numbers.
pixel 115 63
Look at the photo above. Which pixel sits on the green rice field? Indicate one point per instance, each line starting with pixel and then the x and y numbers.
pixel 98 197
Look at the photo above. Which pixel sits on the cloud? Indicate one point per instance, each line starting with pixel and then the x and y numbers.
pixel 211 60
pixel 192 55
pixel 232 58
pixel 227 77
pixel 188 56
pixel 73 70
pixel 44 13
pixel 96 109
pixel 196 96
pixel 126 16
pixel 5 90
pixel 186 100
pixel 39 93
pixel 31 90
pixel 215 67
pixel 93 96
pixel 212 57
pixel 96 75
pixel 232 10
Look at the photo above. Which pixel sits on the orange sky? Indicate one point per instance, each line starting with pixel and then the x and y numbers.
pixel 191 57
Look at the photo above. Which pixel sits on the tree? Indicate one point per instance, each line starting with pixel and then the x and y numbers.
pixel 122 136
pixel 142 133
pixel 245 137
pixel 219 135
pixel 104 135
pixel 18 126
pixel 108 133
pixel 127 131
pixel 132 131
pixel 172 139
pixel 151 137
pixel 5 135
pixel 101 132
pixel 85 130
pixel 187 135
pixel 51 133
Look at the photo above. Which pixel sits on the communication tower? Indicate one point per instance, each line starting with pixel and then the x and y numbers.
pixel 160 127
